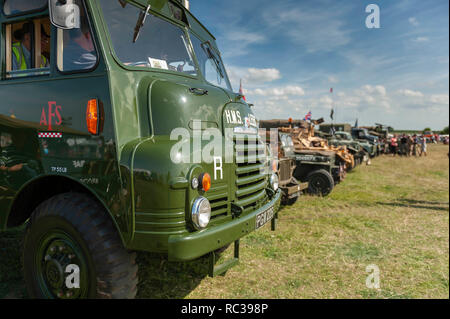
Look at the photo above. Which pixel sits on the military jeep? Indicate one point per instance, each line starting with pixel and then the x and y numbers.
pixel 355 147
pixel 320 168
pixel 283 162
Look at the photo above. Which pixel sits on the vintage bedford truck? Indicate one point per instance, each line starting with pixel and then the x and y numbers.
pixel 101 106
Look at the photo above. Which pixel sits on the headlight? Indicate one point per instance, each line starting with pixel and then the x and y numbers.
pixel 201 213
pixel 274 182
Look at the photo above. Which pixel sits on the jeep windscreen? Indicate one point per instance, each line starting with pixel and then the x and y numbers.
pixel 159 45
pixel 210 63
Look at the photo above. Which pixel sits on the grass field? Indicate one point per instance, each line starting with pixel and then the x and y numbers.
pixel 393 214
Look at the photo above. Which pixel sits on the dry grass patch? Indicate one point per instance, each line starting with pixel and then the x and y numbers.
pixel 394 214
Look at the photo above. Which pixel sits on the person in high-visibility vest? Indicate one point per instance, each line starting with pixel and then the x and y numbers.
pixel 21 51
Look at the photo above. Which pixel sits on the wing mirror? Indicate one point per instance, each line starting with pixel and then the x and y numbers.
pixel 64 14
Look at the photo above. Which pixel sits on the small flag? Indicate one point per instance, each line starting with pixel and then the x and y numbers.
pixel 308 116
pixel 331 90
pixel 332 114
pixel 241 91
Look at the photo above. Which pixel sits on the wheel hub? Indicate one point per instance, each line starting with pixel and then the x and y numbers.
pixel 54 273
pixel 58 252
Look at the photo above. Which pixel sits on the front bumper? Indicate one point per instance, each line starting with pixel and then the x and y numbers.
pixel 293 189
pixel 195 245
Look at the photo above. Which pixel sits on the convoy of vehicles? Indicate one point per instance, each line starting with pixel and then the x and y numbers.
pixel 357 148
pixel 89 160
pixel 316 163
pixel 369 142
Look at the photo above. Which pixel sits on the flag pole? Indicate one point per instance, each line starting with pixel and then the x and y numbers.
pixel 333 111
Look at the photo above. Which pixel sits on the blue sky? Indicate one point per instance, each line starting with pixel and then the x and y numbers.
pixel 289 54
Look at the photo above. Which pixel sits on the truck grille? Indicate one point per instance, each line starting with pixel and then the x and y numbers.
pixel 218 198
pixel 285 171
pixel 250 178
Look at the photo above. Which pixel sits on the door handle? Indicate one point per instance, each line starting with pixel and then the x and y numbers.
pixel 198 91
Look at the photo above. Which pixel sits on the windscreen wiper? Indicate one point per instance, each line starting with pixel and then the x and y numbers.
pixel 140 23
pixel 212 56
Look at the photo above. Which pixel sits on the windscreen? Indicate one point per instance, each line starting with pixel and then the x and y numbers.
pixel 160 44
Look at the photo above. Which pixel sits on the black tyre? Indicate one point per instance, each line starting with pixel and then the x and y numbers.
pixel 72 229
pixel 291 201
pixel 320 182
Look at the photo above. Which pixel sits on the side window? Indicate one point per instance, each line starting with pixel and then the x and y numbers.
pixel 28 48
pixel 12 7
pixel 210 64
pixel 76 49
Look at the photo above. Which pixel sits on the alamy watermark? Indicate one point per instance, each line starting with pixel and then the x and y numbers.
pixel 210 145
pixel 73 277
pixel 373 279
pixel 373 20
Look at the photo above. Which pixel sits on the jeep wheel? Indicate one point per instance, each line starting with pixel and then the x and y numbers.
pixel 72 229
pixel 320 182
pixel 290 201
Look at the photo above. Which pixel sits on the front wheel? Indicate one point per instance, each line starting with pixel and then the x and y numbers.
pixel 73 251
pixel 320 182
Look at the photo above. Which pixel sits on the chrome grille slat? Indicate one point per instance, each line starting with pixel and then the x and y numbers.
pixel 219 201
pixel 247 180
pixel 250 180
pixel 252 199
pixel 252 189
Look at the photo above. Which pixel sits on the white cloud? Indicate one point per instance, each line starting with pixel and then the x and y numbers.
pixel 252 77
pixel 413 21
pixel 333 79
pixel 239 41
pixel 245 36
pixel 421 39
pixel 441 99
pixel 378 89
pixel 410 93
pixel 278 92
pixel 262 75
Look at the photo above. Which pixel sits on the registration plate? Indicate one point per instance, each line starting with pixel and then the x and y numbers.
pixel 264 217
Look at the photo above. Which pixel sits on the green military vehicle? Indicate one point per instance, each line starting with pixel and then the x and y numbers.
pixel 319 169
pixel 281 149
pixel 356 148
pixel 107 113
pixel 362 134
pixel 368 142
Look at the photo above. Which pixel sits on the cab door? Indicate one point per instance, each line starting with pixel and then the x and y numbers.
pixel 44 105
pixel 25 56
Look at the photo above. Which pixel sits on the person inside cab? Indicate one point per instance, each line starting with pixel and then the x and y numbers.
pixel 22 49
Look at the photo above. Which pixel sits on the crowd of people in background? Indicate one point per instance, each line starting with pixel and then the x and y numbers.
pixel 411 145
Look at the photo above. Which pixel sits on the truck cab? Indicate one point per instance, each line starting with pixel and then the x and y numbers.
pixel 363 134
pixel 120 132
